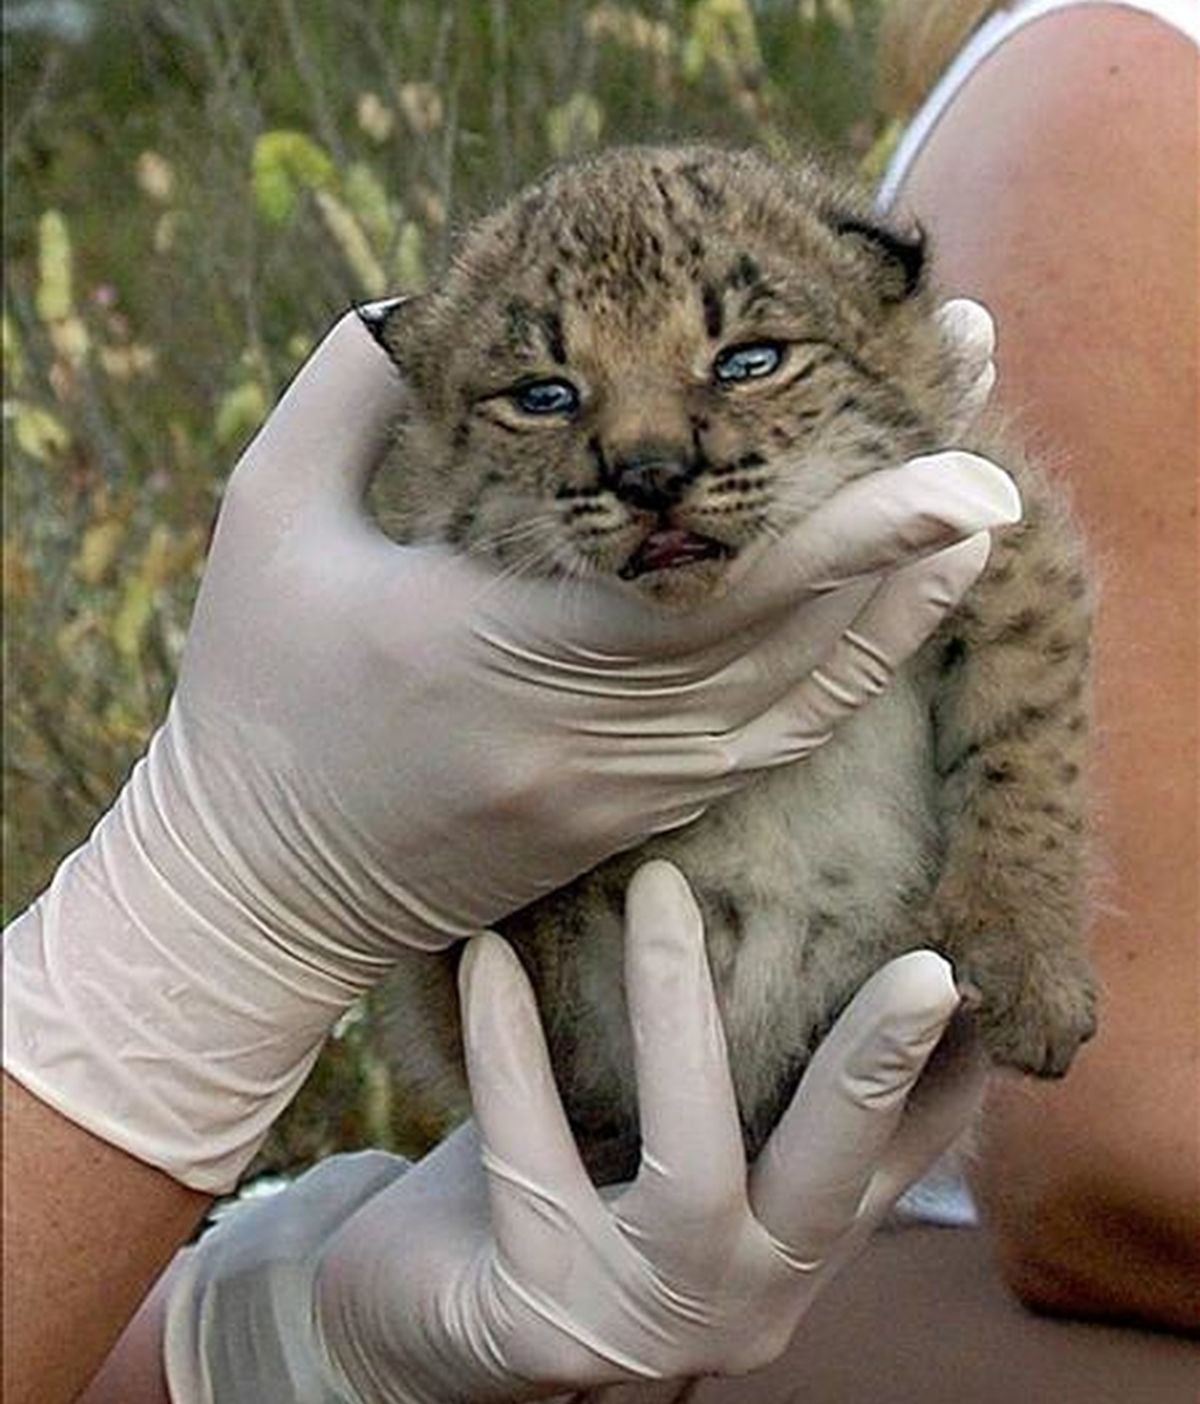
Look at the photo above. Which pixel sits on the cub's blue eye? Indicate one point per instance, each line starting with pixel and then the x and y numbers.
pixel 750 361
pixel 546 397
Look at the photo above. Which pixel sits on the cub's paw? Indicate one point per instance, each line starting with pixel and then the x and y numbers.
pixel 1033 1011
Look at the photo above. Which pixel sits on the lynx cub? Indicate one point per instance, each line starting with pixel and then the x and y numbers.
pixel 631 372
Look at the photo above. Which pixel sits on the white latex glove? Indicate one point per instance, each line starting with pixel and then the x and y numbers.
pixel 372 746
pixel 494 1270
pixel 967 325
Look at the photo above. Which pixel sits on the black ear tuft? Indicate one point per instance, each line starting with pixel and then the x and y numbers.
pixel 902 256
pixel 390 323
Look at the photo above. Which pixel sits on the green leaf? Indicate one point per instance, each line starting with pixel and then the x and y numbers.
pixel 160 558
pixel 240 413
pixel 575 125
pixel 136 610
pixel 70 339
pixel 125 725
pixel 36 430
pixel 98 550
pixel 353 242
pixel 284 164
pixel 723 33
pixel 54 299
pixel 14 354
pixel 693 58
pixel 274 193
pixel 368 200
pixel 410 258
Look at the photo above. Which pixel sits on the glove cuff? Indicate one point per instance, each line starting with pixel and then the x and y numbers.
pixel 241 1322
pixel 152 1006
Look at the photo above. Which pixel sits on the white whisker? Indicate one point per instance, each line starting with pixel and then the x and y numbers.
pixel 492 543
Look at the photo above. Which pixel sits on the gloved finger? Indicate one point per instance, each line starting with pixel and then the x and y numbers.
pixel 874 524
pixel 329 431
pixel 943 1105
pixel 892 619
pixel 823 662
pixel 904 610
pixel 867 632
pixel 807 1185
pixel 973 399
pixel 751 684
pixel 970 329
pixel 692 1158
pixel 535 1175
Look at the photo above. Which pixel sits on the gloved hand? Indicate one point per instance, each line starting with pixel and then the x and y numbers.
pixel 371 746
pixel 494 1270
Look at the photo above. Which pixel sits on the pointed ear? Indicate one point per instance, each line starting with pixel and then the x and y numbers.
pixel 393 324
pixel 900 257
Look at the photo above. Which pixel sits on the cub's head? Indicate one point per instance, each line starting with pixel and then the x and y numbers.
pixel 655 359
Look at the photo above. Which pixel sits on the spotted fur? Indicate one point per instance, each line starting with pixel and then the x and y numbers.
pixel 949 812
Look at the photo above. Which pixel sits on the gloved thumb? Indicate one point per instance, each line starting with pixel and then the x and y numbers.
pixel 329 431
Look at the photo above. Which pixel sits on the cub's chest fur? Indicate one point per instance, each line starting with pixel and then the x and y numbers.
pixel 807 881
pixel 634 372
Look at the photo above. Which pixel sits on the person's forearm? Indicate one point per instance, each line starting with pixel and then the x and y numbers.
pixel 135 1371
pixel 1060 189
pixel 1082 1226
pixel 74 1271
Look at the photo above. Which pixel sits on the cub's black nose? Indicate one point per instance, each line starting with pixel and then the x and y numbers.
pixel 650 476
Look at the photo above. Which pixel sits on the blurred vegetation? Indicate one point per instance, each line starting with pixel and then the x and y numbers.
pixel 194 190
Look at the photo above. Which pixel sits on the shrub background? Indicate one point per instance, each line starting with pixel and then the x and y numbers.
pixel 194 190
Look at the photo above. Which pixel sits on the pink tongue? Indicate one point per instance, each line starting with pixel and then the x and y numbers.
pixel 663 549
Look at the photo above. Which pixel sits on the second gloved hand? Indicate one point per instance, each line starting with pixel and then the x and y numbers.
pixel 494 1270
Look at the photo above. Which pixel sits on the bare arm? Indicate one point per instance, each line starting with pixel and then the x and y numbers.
pixel 74 1268
pixel 1060 189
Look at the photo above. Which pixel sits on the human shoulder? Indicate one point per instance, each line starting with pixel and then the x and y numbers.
pixel 1068 163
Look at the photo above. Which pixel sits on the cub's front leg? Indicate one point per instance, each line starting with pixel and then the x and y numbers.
pixel 1010 700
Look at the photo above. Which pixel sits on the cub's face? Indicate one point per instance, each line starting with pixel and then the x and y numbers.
pixel 653 361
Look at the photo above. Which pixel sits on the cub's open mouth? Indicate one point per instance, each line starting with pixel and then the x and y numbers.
pixel 671 547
